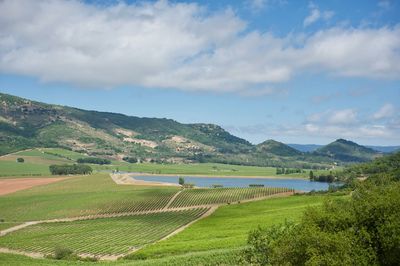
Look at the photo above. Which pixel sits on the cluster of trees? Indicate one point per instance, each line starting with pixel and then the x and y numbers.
pixel 390 165
pixel 94 160
pixel 323 178
pixel 70 169
pixel 287 171
pixel 362 230
pixel 130 159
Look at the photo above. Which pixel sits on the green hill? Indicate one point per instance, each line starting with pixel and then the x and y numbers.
pixel 26 124
pixel 345 150
pixel 29 124
pixel 277 148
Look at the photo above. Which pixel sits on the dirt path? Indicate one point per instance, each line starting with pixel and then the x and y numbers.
pixel 127 179
pixel 17 227
pixel 172 199
pixel 8 186
pixel 35 255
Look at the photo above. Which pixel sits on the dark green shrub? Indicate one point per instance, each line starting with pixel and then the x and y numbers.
pixel 62 253
pixel 20 160
pixel 67 169
pixel 94 160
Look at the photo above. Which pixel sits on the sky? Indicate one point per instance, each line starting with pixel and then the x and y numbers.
pixel 294 71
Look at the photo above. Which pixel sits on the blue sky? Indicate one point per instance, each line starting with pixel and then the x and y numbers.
pixel 294 71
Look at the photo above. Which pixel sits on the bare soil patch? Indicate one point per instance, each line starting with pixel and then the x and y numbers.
pixel 8 186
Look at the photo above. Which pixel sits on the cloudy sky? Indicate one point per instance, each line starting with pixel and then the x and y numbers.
pixel 294 71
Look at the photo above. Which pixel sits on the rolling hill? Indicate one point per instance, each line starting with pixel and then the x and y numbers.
pixel 345 150
pixel 28 124
pixel 277 148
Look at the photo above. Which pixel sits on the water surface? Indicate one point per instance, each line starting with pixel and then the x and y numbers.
pixel 297 184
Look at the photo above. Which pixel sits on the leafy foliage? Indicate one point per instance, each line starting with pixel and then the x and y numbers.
pixel 74 169
pixel 364 230
pixel 93 160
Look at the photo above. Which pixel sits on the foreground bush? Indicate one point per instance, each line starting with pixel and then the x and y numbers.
pixel 67 169
pixel 364 230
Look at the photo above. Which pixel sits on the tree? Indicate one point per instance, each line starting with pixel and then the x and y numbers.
pixel 311 175
pixel 20 160
pixel 181 181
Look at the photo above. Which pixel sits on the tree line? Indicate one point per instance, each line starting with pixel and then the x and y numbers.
pixel 70 169
pixel 94 160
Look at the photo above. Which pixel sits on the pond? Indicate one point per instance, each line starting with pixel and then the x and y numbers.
pixel 297 184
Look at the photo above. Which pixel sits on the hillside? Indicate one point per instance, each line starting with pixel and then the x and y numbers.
pixel 277 148
pixel 344 150
pixel 28 124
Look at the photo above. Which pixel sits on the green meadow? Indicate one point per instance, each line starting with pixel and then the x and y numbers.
pixel 37 162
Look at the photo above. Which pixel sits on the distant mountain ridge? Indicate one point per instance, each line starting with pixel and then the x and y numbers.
pixel 313 147
pixel 27 124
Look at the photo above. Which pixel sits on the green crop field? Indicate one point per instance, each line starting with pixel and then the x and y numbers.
pixel 100 236
pixel 195 197
pixel 82 195
pixel 229 226
pixel 12 168
pixel 220 257
pixel 37 162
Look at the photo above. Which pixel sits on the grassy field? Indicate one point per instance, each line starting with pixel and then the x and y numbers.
pixel 229 226
pixel 220 257
pixel 100 236
pixel 209 241
pixel 38 160
pixel 12 168
pixel 210 169
pixel 82 195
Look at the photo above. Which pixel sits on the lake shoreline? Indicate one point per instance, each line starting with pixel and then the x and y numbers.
pixel 133 174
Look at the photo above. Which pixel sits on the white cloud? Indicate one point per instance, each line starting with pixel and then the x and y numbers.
pixel 346 116
pixel 178 45
pixel 316 14
pixel 257 4
pixel 386 111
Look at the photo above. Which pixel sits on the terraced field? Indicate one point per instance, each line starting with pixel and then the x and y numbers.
pixel 113 236
pixel 198 197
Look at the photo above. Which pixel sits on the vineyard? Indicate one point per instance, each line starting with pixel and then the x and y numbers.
pixel 105 219
pixel 197 197
pixel 157 201
pixel 111 236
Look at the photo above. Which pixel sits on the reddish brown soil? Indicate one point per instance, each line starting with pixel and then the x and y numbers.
pixel 8 186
